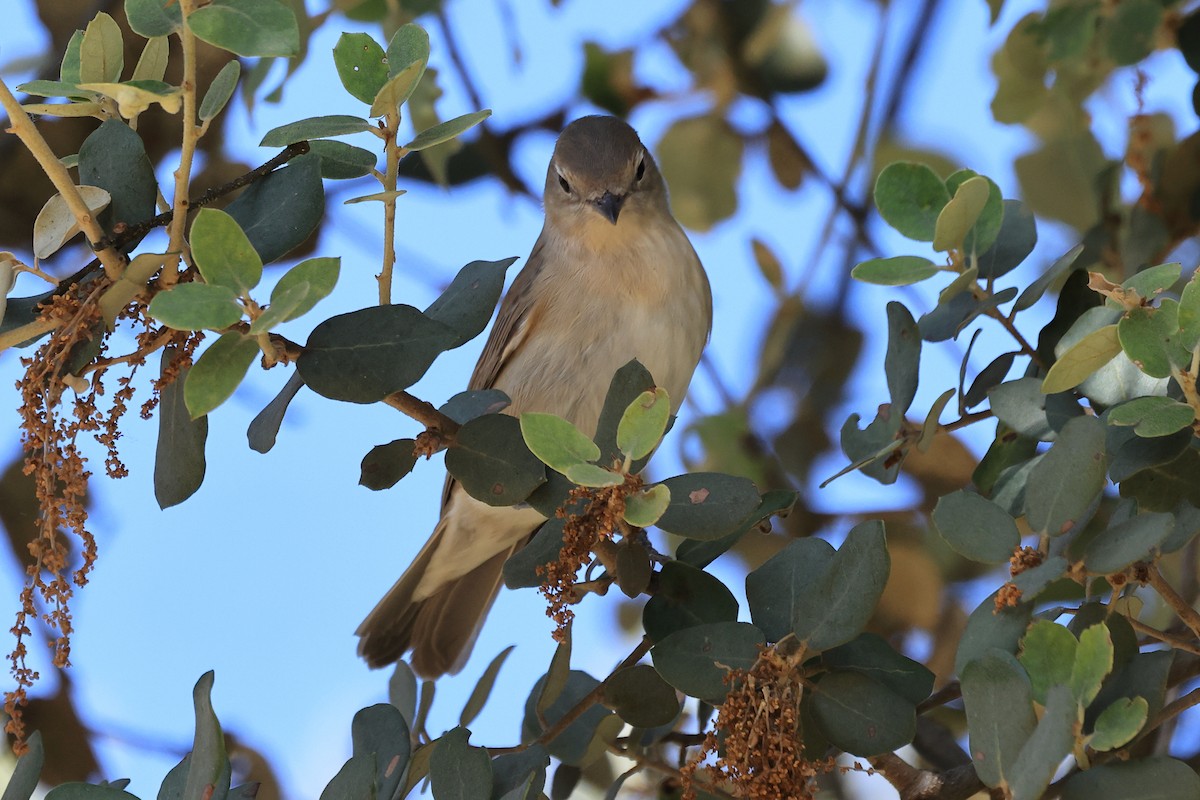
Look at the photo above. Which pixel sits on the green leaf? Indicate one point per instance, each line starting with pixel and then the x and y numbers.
pixel 365 355
pixel 521 568
pixel 483 688
pixel 458 771
pixel 707 505
pixel 313 128
pixel 929 428
pixel 1083 359
pixel 1093 662
pixel 361 65
pixel 341 161
pixel 1021 405
pixel 772 589
pixel 975 527
pixel 593 476
pixel 641 697
pixel 247 27
pixel 1132 30
pixel 223 253
pixel 903 359
pixel 1150 282
pixel 209 764
pixel 870 655
pixel 1189 314
pixel 196 306
pixel 384 466
pixel 523 772
pixel 317 276
pixel 703 553
pixel 556 442
pixel 408 45
pixel 986 228
pixel 1050 743
pixel 989 628
pixel 469 300
pixel 1065 483
pixel 687 596
pixel 1047 653
pixel 151 18
pixel 220 90
pixel 959 215
pixel 152 63
pixel 447 130
pixel 69 71
pixel 627 383
pixel 1000 718
pixel 297 187
pixel 179 463
pixel 896 271
pixel 102 52
pixel 380 733
pixel 492 463
pixel 644 508
pixel 1153 416
pixel 862 716
pixel 909 198
pixel 1150 337
pixel 397 90
pixel 642 425
pixel 1122 544
pixel 1152 778
pixel 217 373
pixel 696 660
pixel 1119 723
pixel 87 791
pixel 265 427
pixel 835 607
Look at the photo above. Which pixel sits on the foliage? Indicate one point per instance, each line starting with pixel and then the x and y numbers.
pixel 1075 667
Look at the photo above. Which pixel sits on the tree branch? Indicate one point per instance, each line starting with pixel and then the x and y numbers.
pixel 958 783
pixel 1167 592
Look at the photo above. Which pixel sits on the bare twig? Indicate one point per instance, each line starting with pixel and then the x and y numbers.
pixel 1167 592
pixel 958 783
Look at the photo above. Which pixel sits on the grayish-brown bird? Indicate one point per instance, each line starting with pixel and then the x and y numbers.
pixel 612 277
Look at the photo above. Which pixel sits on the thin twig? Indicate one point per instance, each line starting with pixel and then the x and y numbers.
pixel 1186 613
pixel 424 413
pixel 1177 642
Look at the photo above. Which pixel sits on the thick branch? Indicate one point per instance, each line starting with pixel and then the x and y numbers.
pixel 921 784
pixel 32 138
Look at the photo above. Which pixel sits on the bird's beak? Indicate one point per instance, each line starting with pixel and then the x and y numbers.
pixel 609 206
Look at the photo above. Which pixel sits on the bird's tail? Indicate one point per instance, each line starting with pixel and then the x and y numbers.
pixel 439 629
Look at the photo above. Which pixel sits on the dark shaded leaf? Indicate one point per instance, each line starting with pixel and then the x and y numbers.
pixel 150 18
pixel 24 779
pixel 466 406
pixel 686 596
pixel 386 464
pixel 296 188
pixel 492 463
pixel 833 609
pixel 520 570
pixel 989 628
pixel 702 553
pixel 179 463
pixel 1000 717
pixel 114 158
pixel 341 161
pixel 570 746
pixel 976 527
pixel 862 716
pixel 696 660
pixel 354 781
pixel 1064 485
pixel 209 763
pixel 903 360
pixel 265 427
pixel 870 655
pixel 1058 269
pixel 458 771
pixel 627 383
pixel 990 376
pixel 365 355
pixel 641 697
pixel 523 772
pixel 1135 539
pixel 381 732
pixel 772 588
pixel 1051 742
pixel 468 302
pixel 483 688
pixel 1014 242
pixel 1021 405
pixel 707 505
pixel 1153 778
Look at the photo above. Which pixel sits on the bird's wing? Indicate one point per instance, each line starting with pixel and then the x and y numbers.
pixel 511 323
pixel 507 334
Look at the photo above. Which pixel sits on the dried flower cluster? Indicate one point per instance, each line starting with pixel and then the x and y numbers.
pixel 757 737
pixel 50 439
pixel 1023 558
pixel 598 521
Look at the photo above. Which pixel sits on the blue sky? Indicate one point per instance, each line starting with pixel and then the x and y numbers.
pixel 264 574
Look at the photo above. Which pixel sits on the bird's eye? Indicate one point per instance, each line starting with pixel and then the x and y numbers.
pixel 641 168
pixel 563 183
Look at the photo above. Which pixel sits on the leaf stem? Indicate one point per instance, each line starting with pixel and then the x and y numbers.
pixel 187 146
pixel 394 152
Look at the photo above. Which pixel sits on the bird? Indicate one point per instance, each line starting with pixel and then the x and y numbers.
pixel 612 277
